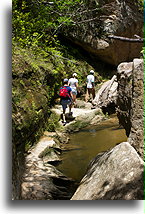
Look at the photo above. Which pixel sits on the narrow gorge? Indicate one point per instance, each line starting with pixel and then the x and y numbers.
pixel 99 153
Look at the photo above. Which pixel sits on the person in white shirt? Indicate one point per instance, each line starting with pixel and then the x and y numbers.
pixel 90 86
pixel 73 83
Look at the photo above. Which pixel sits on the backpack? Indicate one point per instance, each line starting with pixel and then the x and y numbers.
pixel 63 92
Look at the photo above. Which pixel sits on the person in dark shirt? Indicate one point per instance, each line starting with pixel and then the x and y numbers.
pixel 66 100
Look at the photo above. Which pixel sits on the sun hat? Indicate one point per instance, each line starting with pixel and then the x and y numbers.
pixel 92 71
pixel 74 74
pixel 65 80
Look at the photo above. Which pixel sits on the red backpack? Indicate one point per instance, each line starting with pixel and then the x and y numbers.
pixel 63 92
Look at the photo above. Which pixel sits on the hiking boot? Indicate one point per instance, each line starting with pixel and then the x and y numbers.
pixel 74 105
pixel 64 123
pixel 70 114
pixel 93 107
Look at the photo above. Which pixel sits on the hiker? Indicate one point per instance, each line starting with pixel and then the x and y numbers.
pixel 73 83
pixel 90 86
pixel 65 94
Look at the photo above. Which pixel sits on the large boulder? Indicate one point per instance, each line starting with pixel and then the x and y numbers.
pixel 106 97
pixel 116 174
pixel 130 101
pixel 97 20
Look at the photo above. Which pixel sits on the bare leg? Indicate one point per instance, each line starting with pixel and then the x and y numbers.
pixel 63 116
pixel 74 99
pixel 93 93
pixel 87 96
pixel 70 107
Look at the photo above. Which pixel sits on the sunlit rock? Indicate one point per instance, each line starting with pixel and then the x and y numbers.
pixel 112 175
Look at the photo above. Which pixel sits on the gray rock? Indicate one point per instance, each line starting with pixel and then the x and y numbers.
pixel 44 183
pixel 41 180
pixel 116 174
pixel 130 101
pixel 107 95
pixel 82 118
pixel 136 136
pixel 83 104
pixel 124 78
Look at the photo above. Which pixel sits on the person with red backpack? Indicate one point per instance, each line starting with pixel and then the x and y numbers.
pixel 65 94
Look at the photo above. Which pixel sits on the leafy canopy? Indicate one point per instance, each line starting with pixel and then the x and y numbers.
pixel 36 22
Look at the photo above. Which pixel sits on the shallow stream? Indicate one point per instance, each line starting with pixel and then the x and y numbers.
pixel 86 144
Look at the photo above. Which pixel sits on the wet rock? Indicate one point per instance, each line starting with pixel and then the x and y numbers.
pixel 51 157
pixel 116 174
pixel 62 137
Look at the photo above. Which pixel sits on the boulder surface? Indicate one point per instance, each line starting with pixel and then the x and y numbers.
pixel 130 101
pixel 116 174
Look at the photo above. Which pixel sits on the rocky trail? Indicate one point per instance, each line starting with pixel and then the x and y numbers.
pixel 41 179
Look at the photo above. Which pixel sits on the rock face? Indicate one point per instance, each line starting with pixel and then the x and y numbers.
pixel 41 180
pixel 106 97
pixel 103 18
pixel 116 174
pixel 130 101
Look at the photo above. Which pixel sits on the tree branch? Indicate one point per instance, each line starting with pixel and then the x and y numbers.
pixel 86 20
pixel 125 39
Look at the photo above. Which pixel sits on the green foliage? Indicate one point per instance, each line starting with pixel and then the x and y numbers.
pixel 53 122
pixel 35 85
pixel 140 4
pixel 40 62
pixel 35 23
pixel 28 145
pixel 144 111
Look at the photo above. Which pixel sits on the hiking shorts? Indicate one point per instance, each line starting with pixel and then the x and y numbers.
pixel 74 91
pixel 65 103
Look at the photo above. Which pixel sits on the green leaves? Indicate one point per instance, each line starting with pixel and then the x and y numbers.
pixel 140 4
pixel 35 22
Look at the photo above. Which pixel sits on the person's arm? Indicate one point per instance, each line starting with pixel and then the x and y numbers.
pixel 77 85
pixel 93 85
pixel 71 97
pixel 71 94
